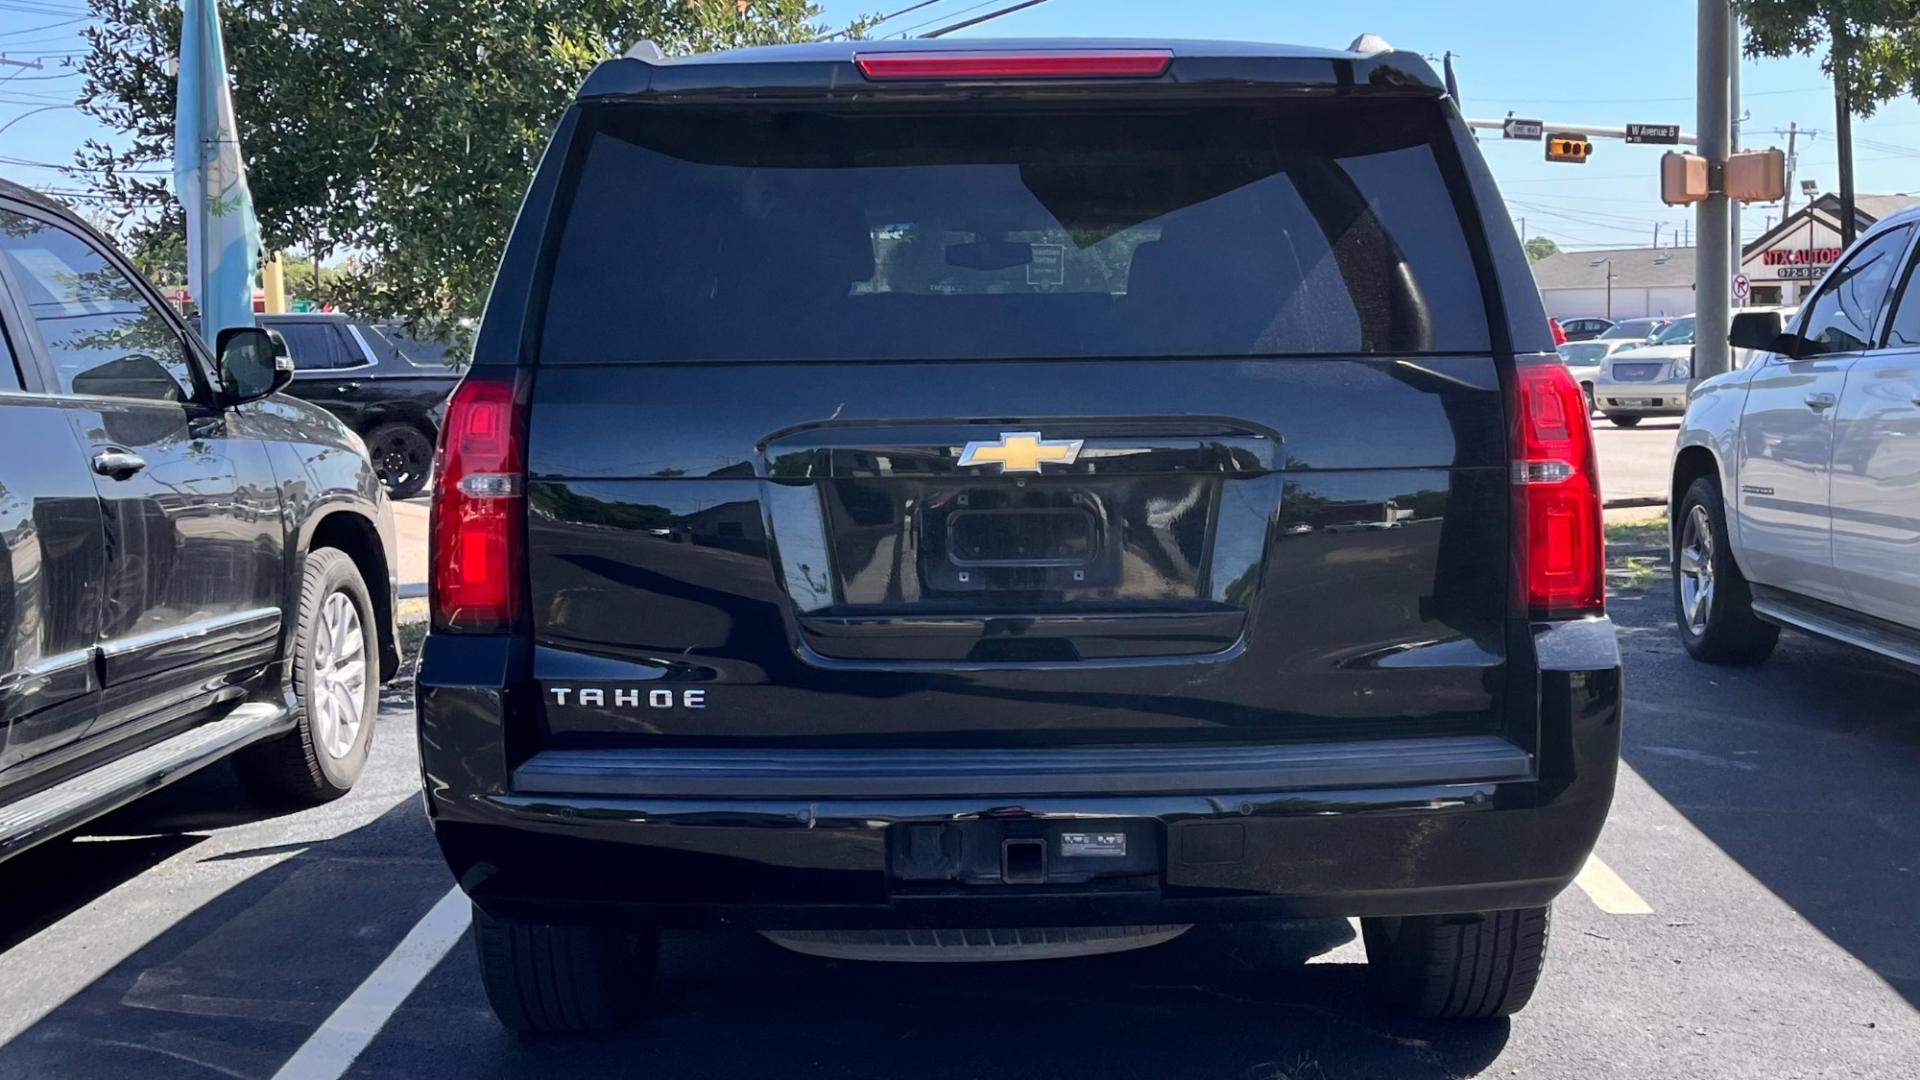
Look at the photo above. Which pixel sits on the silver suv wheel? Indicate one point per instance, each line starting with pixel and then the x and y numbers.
pixel 1696 569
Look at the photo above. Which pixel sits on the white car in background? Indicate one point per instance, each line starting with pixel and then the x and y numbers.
pixel 1585 358
pixel 1649 380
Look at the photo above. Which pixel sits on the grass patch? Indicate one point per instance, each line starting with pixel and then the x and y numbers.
pixel 411 635
pixel 1639 573
pixel 1651 533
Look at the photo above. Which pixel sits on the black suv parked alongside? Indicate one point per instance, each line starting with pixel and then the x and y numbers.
pixel 192 564
pixel 1058 492
pixel 384 385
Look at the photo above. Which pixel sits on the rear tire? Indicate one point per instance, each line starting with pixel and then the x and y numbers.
pixel 1712 601
pixel 1624 419
pixel 402 456
pixel 336 686
pixel 564 980
pixel 1457 967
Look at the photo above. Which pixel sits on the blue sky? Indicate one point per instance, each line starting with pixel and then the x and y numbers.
pixel 1629 60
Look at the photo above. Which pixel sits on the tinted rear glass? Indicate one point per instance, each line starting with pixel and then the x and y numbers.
pixel 1302 228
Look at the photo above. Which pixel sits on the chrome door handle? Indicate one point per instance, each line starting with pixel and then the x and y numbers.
pixel 346 388
pixel 1821 402
pixel 119 464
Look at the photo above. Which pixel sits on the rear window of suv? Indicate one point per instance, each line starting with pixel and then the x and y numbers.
pixel 697 233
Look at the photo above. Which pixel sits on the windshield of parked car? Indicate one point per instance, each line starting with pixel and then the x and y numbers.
pixel 1677 332
pixel 1308 228
pixel 1583 352
pixel 1632 328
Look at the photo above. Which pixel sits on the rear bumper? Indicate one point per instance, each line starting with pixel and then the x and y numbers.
pixel 624 843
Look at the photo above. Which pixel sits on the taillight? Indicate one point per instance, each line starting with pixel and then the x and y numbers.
pixel 479 504
pixel 1075 64
pixel 1556 496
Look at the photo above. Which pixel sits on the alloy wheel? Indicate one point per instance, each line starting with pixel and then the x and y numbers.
pixel 338 696
pixel 1695 567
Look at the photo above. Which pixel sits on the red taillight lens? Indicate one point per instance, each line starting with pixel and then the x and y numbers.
pixel 1079 64
pixel 1556 495
pixel 479 504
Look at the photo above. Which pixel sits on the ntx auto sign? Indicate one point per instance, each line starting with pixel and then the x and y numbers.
pixel 1792 263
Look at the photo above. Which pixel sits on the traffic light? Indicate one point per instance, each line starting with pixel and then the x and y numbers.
pixel 1566 146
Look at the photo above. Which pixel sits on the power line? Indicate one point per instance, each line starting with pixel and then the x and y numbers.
pixel 975 7
pixel 988 17
pixel 49 26
pixel 882 19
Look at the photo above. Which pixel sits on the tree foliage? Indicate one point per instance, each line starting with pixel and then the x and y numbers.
pixel 403 132
pixel 1539 247
pixel 1873 44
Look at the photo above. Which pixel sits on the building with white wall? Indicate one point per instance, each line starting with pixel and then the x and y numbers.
pixel 1616 283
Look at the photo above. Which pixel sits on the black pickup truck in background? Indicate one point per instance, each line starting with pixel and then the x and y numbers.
pixel 384 384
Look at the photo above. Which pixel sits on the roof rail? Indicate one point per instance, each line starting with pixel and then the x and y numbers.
pixel 646 51
pixel 1369 43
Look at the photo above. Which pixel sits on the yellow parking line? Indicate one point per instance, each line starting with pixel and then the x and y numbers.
pixel 1608 891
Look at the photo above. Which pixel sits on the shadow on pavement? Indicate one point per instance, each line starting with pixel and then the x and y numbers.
pixel 234 987
pixel 57 878
pixel 1805 770
pixel 1227 1001
pixel 47 883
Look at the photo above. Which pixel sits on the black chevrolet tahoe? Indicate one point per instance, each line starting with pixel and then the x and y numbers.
pixel 1051 492
pixel 194 566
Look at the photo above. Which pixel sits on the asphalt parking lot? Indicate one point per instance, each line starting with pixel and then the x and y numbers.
pixel 1752 914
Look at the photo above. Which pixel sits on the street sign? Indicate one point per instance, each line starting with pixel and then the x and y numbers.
pixel 1523 129
pixel 1568 146
pixel 1668 134
pixel 1742 287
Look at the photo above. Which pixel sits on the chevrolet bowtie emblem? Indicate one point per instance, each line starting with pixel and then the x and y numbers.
pixel 1021 451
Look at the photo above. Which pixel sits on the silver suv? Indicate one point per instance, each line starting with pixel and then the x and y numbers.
pixel 1796 478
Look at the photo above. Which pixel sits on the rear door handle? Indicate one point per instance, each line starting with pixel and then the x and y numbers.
pixel 118 464
pixel 1821 402
pixel 347 387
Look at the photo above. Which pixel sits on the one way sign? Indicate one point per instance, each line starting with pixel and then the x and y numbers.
pixel 1516 128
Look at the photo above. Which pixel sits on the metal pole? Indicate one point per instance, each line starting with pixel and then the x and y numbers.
pixel 1609 288
pixel 1843 134
pixel 1786 201
pixel 1712 269
pixel 1733 147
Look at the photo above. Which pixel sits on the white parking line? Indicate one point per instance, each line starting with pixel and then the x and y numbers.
pixel 1608 891
pixel 331 1049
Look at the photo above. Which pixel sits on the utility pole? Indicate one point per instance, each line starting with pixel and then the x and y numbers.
pixel 1712 263
pixel 1656 236
pixel 1523 232
pixel 1843 132
pixel 1736 249
pixel 1793 136
pixel 34 64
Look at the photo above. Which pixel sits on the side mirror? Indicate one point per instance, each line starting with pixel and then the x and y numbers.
pixel 249 368
pixel 1753 330
pixel 279 343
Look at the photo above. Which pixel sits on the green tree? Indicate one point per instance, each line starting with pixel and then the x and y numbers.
pixel 1540 247
pixel 1872 46
pixel 403 132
